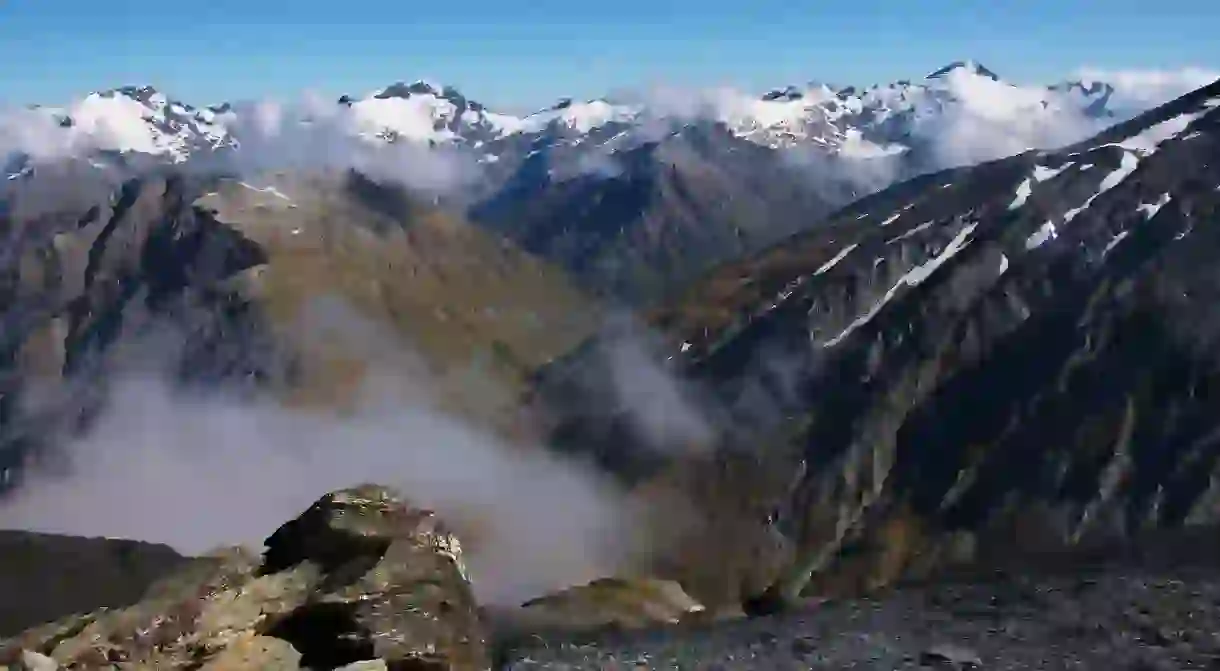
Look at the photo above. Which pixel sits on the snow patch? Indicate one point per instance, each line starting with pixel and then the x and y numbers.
pixel 267 189
pixel 1003 263
pixel 1150 209
pixel 1040 237
pixel 838 257
pixel 1146 141
pixel 582 117
pixel 1114 242
pixel 1126 166
pixel 914 277
pixel 1026 188
pixel 892 218
pixel 922 227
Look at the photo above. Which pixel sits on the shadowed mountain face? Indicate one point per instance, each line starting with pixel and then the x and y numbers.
pixel 1013 357
pixel 635 223
pixel 301 285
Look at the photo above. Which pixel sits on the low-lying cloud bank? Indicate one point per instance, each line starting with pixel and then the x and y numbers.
pixel 1140 89
pixel 316 134
pixel 197 472
pixel 200 468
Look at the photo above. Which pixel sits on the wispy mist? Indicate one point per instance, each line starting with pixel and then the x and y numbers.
pixel 658 403
pixel 35 134
pixel 1137 90
pixel 197 469
pixel 314 134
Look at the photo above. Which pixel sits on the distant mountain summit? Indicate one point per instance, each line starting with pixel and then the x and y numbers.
pixel 425 112
pixel 969 67
pixel 133 119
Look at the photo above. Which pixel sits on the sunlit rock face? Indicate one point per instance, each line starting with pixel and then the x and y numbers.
pixel 359 576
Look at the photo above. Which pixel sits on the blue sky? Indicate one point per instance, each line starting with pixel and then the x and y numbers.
pixel 527 53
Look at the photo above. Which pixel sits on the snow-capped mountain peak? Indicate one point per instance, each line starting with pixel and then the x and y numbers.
pixel 427 112
pixel 418 87
pixel 581 117
pixel 970 67
pixel 134 119
pixel 901 119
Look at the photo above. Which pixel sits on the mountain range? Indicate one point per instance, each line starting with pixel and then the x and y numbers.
pixel 606 188
pixel 854 121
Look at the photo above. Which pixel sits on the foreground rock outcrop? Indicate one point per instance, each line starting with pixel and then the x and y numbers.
pixel 359 577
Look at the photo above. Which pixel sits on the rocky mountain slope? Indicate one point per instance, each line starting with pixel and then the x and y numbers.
pixel 652 217
pixel 307 286
pixel 978 361
pixel 637 202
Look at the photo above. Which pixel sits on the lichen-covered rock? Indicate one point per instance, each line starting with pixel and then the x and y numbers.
pixel 359 577
pixel 250 652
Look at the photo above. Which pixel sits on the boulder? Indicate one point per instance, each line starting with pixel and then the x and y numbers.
pixel 361 579
pixel 627 603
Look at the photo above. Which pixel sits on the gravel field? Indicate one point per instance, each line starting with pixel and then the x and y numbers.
pixel 1136 621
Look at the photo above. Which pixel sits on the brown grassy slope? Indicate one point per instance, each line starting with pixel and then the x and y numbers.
pixel 478 314
pixel 709 306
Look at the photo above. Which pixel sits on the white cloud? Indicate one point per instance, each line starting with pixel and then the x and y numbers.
pixel 313 134
pixel 36 134
pixel 197 470
pixel 1146 88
